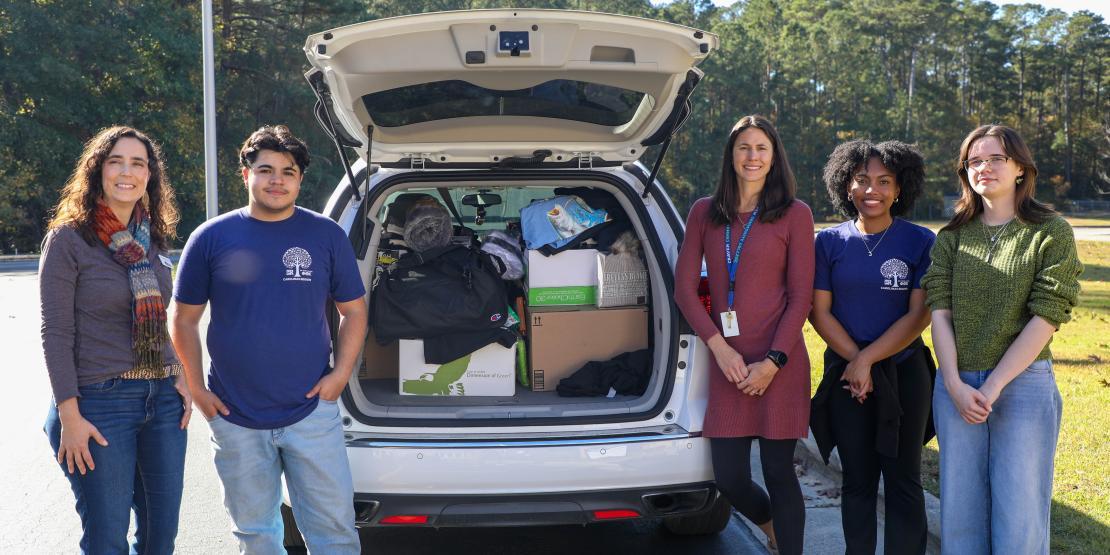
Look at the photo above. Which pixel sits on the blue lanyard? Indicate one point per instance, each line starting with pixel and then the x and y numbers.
pixel 733 261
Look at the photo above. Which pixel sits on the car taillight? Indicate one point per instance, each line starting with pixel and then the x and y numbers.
pixel 405 519
pixel 615 514
pixel 703 295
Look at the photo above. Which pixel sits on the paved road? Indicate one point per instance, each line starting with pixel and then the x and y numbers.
pixel 1092 233
pixel 37 516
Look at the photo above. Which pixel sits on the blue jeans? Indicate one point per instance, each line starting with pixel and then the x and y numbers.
pixel 313 456
pixel 141 469
pixel 996 477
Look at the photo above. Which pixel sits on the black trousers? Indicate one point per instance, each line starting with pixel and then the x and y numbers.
pixel 733 470
pixel 854 425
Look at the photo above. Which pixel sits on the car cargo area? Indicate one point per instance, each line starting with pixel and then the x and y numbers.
pixel 586 301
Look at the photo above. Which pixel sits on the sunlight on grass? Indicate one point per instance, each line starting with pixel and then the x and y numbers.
pixel 1081 489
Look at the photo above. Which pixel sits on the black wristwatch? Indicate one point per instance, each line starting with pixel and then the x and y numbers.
pixel 778 358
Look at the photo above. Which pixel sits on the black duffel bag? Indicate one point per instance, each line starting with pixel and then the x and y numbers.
pixel 439 291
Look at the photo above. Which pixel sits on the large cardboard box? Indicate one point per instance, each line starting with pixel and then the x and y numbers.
pixel 562 341
pixel 378 361
pixel 489 371
pixel 565 279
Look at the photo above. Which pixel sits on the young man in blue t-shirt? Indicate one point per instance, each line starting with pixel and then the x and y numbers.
pixel 269 270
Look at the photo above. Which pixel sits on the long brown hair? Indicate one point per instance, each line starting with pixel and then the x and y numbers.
pixel 970 204
pixel 778 191
pixel 81 193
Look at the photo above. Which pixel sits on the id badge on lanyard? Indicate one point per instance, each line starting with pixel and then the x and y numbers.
pixel 730 322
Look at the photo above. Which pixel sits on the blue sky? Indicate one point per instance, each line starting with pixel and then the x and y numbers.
pixel 1066 5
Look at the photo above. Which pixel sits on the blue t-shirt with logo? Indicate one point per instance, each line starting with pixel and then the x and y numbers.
pixel 268 285
pixel 870 293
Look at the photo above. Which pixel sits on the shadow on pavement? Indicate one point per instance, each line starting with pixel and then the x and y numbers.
pixel 637 536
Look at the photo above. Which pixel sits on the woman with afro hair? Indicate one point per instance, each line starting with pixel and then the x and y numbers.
pixel 873 403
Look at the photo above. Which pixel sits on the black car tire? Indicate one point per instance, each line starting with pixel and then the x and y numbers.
pixel 712 521
pixel 292 534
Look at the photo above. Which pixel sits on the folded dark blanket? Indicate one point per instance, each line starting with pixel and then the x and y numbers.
pixel 627 373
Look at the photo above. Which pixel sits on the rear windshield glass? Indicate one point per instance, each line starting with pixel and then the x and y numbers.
pixel 496 217
pixel 560 98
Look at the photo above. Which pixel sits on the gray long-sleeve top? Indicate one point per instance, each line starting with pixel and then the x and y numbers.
pixel 86 312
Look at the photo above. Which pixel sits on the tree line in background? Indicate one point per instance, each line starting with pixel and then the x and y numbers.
pixel 825 71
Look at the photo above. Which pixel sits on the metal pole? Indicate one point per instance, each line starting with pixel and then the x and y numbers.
pixel 212 207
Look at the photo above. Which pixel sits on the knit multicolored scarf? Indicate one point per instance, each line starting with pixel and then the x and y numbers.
pixel 129 246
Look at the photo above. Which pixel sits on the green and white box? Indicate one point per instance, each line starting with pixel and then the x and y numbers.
pixel 565 279
pixel 489 371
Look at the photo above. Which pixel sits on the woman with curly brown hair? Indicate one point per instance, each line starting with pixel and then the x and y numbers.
pixel 868 306
pixel 120 408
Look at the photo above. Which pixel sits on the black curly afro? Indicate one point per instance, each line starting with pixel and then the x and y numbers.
pixel 903 160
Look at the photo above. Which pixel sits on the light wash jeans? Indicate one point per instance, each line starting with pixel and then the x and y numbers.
pixel 313 456
pixel 996 477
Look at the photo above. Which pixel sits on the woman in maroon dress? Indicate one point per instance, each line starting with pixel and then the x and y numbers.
pixel 757 242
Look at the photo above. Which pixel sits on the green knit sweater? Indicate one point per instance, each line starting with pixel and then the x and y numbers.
pixel 1033 271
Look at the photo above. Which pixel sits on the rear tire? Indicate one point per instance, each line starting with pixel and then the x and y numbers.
pixel 710 522
pixel 292 533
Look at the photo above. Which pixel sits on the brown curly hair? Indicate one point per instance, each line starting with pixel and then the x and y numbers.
pixel 83 190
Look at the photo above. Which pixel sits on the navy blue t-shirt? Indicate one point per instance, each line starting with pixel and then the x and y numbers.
pixel 268 284
pixel 870 293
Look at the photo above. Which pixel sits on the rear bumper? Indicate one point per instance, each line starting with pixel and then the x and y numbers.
pixel 529 482
pixel 581 507
pixel 528 466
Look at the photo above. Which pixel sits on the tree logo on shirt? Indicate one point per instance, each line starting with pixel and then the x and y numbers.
pixel 896 275
pixel 297 262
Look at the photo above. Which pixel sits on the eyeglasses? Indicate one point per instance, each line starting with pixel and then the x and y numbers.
pixel 977 163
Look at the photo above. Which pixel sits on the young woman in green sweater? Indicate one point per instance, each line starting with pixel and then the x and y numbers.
pixel 1004 277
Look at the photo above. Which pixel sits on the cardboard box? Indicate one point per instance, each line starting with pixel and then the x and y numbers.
pixel 378 361
pixel 565 279
pixel 622 280
pixel 562 341
pixel 489 371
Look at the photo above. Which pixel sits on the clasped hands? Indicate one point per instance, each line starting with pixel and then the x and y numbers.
pixel 974 405
pixel 750 379
pixel 858 376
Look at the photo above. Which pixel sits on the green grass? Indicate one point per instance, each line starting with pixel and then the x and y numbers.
pixel 1081 488
pixel 1097 221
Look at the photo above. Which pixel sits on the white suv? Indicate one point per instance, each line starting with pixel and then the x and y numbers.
pixel 519 103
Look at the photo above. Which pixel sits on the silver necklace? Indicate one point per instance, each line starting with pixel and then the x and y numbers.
pixel 994 238
pixel 871 250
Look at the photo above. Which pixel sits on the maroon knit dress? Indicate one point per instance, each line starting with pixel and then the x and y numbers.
pixel 773 296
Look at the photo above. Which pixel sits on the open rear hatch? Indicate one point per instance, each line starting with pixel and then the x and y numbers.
pixel 565 323
pixel 482 86
pixel 477 89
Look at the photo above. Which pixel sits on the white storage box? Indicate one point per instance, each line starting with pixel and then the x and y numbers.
pixel 489 371
pixel 621 280
pixel 565 279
